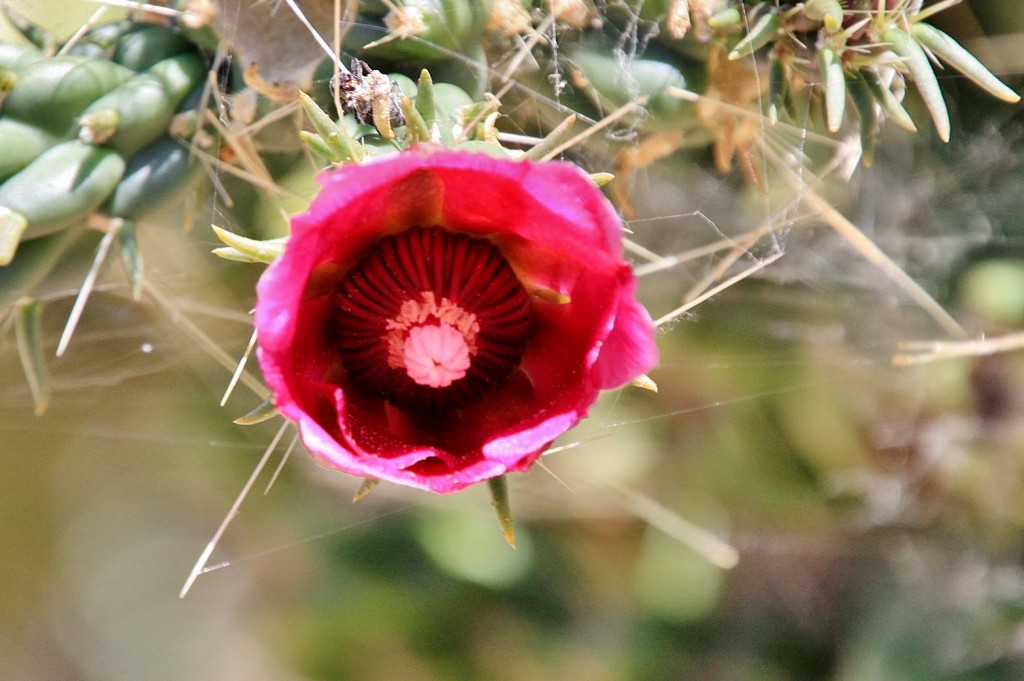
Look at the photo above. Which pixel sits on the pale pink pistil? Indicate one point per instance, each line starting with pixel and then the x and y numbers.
pixel 436 356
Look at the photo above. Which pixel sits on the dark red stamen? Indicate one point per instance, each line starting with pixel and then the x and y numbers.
pixel 431 319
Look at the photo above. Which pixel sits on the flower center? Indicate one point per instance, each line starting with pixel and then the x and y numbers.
pixel 431 319
pixel 435 355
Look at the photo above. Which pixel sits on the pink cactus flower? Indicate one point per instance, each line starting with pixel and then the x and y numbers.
pixel 438 318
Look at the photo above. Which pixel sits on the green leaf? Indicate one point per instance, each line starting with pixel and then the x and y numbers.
pixel 131 257
pixel 264 412
pixel 243 249
pixel 887 100
pixel 726 19
pixel 951 52
pixel 499 499
pixel 28 331
pixel 763 31
pixel 828 11
pixel 317 145
pixel 552 140
pixel 865 105
pixel 835 88
pixel 425 101
pixel 31 31
pixel 334 135
pixel 916 62
pixel 416 127
pixel 778 86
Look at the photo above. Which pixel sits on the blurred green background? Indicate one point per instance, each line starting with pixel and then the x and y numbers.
pixel 876 510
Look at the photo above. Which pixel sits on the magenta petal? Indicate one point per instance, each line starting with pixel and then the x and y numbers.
pixel 556 231
pixel 627 352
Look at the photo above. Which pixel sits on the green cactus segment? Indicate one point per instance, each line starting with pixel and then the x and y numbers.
pixel 316 144
pixel 49 180
pixel 950 51
pixel 21 143
pixel 53 92
pixel 159 172
pixel 887 100
pixel 415 126
pixel 763 31
pixel 778 88
pixel 829 12
pixel 835 88
pixel 335 136
pixel 916 62
pixel 449 101
pixel 62 187
pixel 726 19
pixel 100 42
pixel 144 105
pixel 18 57
pixel 422 30
pixel 29 30
pixel 425 96
pixel 142 47
pixel 648 78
